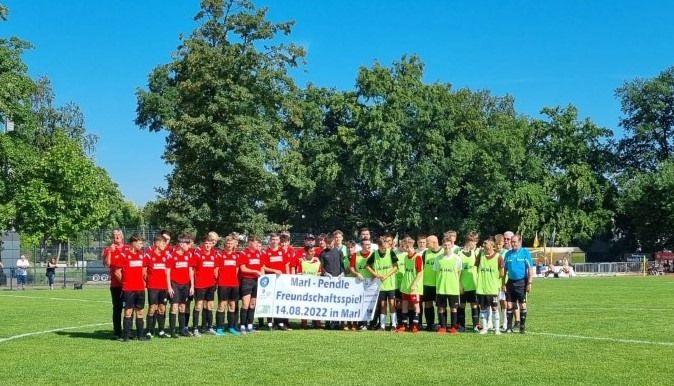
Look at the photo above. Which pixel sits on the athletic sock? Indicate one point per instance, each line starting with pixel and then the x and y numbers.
pixel 140 328
pixel 523 317
pixel 509 316
pixel 209 319
pixel 181 320
pixel 150 323
pixel 127 327
pixel 484 315
pixel 429 314
pixel 231 319
pixel 251 315
pixel 172 323
pixel 461 317
pixel 497 319
pixel 382 320
pixel 204 320
pixel 394 319
pixel 475 316
pixel 399 316
pixel 453 318
pixel 187 315
pixel 243 316
pixel 416 318
pixel 443 318
pixel 504 318
pixel 161 321
pixel 219 320
pixel 260 322
pixel 195 319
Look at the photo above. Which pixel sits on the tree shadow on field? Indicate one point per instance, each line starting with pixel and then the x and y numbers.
pixel 99 334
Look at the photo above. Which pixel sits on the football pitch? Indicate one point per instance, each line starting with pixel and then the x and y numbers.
pixel 599 330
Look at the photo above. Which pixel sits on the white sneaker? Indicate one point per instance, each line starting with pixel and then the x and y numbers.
pixel 484 331
pixel 497 332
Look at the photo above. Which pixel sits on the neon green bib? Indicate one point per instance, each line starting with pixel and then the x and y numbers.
pixel 410 274
pixel 469 273
pixel 310 267
pixel 429 261
pixel 383 265
pixel 488 280
pixel 448 275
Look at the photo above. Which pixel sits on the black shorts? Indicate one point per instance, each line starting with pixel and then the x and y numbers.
pixel 516 291
pixel 386 295
pixel 207 294
pixel 157 296
pixel 399 295
pixel 429 293
pixel 228 293
pixel 486 301
pixel 180 293
pixel 133 299
pixel 248 287
pixel 469 297
pixel 447 301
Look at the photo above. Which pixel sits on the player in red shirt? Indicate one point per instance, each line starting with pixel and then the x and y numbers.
pixel 181 276
pixel 275 262
pixel 155 260
pixel 110 254
pixel 309 241
pixel 228 287
pixel 129 270
pixel 205 282
pixel 250 269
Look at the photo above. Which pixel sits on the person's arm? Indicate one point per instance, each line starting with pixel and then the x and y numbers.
pixel 191 280
pixel 368 267
pixel 168 281
pixel 118 274
pixel 420 274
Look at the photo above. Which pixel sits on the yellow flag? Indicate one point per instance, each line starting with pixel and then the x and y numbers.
pixel 536 240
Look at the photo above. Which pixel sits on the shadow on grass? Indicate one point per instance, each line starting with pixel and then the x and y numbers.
pixel 99 334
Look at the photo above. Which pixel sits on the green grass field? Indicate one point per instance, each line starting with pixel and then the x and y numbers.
pixel 615 330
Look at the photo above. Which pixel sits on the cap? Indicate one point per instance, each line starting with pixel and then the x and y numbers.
pixel 309 236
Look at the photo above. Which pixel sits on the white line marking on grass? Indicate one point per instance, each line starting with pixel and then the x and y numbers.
pixel 67 299
pixel 2 340
pixel 635 308
pixel 604 338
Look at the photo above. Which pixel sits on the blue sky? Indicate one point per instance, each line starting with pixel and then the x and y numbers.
pixel 551 53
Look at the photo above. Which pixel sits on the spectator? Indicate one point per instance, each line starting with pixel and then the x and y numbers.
pixel 51 272
pixel 22 272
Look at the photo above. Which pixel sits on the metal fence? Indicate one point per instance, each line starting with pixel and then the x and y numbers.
pixel 65 277
pixel 614 268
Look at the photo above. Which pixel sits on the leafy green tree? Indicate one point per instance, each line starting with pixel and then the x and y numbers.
pixel 222 101
pixel 63 193
pixel 646 209
pixel 648 108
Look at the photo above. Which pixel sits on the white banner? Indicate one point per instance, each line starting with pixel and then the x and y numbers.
pixel 316 297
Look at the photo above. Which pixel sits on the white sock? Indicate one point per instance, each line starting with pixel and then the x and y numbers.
pixel 394 319
pixel 497 320
pixel 484 315
pixel 382 320
pixel 250 326
pixel 504 317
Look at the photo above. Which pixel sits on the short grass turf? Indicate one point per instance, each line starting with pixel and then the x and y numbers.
pixel 615 330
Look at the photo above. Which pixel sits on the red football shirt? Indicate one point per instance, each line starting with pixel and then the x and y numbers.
pixel 180 266
pixel 156 269
pixel 274 259
pixel 132 270
pixel 114 256
pixel 228 274
pixel 252 259
pixel 204 268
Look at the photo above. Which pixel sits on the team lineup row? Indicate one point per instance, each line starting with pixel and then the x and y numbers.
pixel 432 275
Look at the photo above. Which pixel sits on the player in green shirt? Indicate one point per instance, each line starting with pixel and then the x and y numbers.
pixel 411 286
pixel 358 268
pixel 383 264
pixel 448 268
pixel 489 281
pixel 434 251
pixel 468 281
